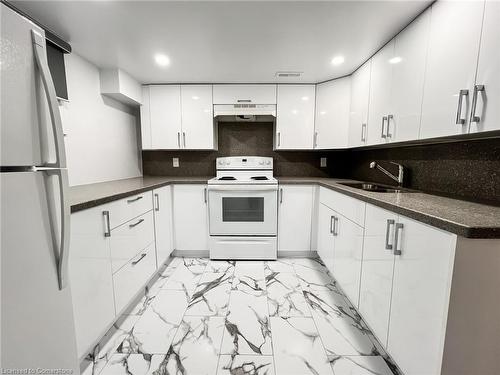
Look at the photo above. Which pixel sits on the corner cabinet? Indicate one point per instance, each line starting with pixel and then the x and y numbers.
pixel 295 117
pixel 190 216
pixel 162 203
pixel 177 117
pixel 295 210
pixel 331 128
pixel 358 111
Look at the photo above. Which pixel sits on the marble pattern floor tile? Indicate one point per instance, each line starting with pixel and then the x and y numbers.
pixel 245 365
pixel 202 317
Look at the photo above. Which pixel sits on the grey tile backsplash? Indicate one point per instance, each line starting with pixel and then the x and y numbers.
pixel 466 170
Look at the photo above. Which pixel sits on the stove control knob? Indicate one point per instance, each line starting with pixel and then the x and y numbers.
pixel 261 163
pixel 268 162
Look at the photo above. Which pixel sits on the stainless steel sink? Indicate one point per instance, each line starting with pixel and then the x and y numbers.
pixel 373 187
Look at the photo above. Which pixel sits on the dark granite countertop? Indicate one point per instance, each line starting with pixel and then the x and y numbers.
pixel 466 219
pixel 92 195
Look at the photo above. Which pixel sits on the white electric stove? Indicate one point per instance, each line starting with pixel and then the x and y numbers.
pixel 243 209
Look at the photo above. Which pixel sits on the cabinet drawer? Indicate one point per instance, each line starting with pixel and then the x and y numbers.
pixel 130 238
pixel 133 276
pixel 127 208
pixel 244 94
pixel 351 208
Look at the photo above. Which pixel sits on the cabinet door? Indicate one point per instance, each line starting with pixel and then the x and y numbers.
pixel 451 67
pixel 358 114
pixel 377 270
pixel 408 70
pixel 348 255
pixel 165 116
pixel 325 236
pixel 145 119
pixel 190 217
pixel 380 95
pixel 241 94
pixel 487 111
pixel 90 277
pixel 197 117
pixel 332 114
pixel 420 297
pixel 162 201
pixel 295 117
pixel 295 218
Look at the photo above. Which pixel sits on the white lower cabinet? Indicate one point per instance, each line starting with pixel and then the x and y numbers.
pixel 190 217
pixel 129 280
pixel 162 202
pixel 347 257
pixel 295 217
pixel 90 277
pixel 326 239
pixel 420 297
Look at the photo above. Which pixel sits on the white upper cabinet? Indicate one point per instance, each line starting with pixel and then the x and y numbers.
pixel 332 114
pixel 451 67
pixel 380 95
pixel 244 94
pixel 486 115
pixel 295 117
pixel 358 113
pixel 197 117
pixel 407 84
pixel 295 201
pixel 177 117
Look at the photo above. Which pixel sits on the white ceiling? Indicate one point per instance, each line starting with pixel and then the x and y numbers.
pixel 238 41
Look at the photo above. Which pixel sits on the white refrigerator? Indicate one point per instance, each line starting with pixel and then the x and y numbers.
pixel 37 327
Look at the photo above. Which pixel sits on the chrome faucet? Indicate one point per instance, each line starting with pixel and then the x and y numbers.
pixel 398 178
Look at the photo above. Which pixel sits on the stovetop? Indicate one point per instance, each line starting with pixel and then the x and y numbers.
pixel 244 170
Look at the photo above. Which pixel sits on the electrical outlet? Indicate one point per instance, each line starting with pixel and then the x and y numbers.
pixel 175 162
pixel 323 162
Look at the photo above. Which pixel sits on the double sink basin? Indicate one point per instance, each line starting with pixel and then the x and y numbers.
pixel 376 188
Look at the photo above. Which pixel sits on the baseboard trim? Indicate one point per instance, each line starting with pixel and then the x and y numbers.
pixel 297 254
pixel 191 253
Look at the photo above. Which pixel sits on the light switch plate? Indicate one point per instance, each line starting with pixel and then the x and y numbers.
pixel 323 162
pixel 175 162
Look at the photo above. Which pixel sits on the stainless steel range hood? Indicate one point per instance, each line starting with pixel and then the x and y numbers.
pixel 245 112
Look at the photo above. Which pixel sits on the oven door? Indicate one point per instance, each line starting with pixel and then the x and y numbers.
pixel 243 210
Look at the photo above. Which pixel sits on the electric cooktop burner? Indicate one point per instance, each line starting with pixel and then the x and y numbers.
pixel 259 178
pixel 227 178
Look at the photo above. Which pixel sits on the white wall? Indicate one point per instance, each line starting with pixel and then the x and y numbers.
pixel 101 140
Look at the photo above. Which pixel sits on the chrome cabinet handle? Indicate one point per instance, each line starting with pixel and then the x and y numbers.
pixel 335 226
pixel 384 118
pixel 279 139
pixel 107 231
pixel 184 138
pixel 281 195
pixel 157 201
pixel 143 255
pixel 205 195
pixel 136 224
pixel 390 222
pixel 332 223
pixel 179 139
pixel 389 118
pixel 243 100
pixel 477 89
pixel 459 120
pixel 134 200
pixel 50 93
pixel 363 134
pixel 399 229
pixel 315 139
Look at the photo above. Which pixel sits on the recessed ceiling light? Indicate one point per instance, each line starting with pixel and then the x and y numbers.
pixel 337 60
pixel 294 111
pixel 195 97
pixel 395 60
pixel 162 60
pixel 305 98
pixel 322 113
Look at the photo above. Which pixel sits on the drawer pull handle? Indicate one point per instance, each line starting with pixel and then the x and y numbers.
pixel 397 239
pixel 134 200
pixel 390 222
pixel 107 231
pixel 138 260
pixel 157 199
pixel 136 224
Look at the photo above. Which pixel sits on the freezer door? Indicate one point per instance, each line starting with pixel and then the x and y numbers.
pixel 37 316
pixel 29 108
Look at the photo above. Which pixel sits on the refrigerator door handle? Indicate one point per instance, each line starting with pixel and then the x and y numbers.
pixel 50 92
pixel 63 251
